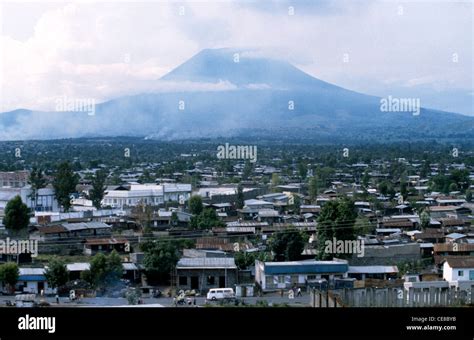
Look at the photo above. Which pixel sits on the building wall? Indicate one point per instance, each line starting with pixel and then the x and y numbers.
pixel 286 281
pixel 45 200
pixel 120 198
pixel 202 278
pixel 452 274
pixel 32 287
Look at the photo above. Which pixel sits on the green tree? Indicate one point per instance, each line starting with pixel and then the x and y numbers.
pixel 16 214
pixel 453 187
pixel 243 259
pixel 383 188
pixel 425 169
pixel 324 175
pixel 366 179
pixel 64 184
pixel 240 197
pixel 207 219
pixel 336 220
pixel 247 171
pixel 195 205
pixel 313 188
pixel 9 274
pixel 287 245
pixel 363 226
pixel 404 189
pixel 56 273
pixel 160 259
pixel 275 181
pixel 296 203
pixel 425 219
pixel 36 181
pixel 302 169
pixel 174 219
pixel 105 269
pixel 460 177
pixel 469 195
pixel 98 188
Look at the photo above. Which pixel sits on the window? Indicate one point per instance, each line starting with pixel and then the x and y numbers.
pixel 211 280
pixel 460 272
pixel 183 280
pixel 311 277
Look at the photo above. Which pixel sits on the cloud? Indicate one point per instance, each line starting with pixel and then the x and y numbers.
pixel 103 50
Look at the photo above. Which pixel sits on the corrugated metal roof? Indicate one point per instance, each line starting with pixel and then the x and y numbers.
pixel 31 271
pixel 85 225
pixel 442 247
pixel 460 262
pixel 206 262
pixel 240 229
pixel 129 266
pixel 305 267
pixel 52 229
pixel 105 241
pixel 372 269
pixel 78 266
pixel 455 236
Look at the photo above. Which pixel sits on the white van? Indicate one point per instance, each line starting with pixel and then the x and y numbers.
pixel 220 293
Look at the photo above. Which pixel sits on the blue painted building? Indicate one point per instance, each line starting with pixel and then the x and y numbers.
pixel 285 275
pixel 33 280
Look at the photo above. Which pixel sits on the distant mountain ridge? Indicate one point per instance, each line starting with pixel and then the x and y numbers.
pixel 266 95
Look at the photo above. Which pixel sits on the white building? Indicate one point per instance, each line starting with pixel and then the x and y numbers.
pixel 45 200
pixel 150 194
pixel 458 269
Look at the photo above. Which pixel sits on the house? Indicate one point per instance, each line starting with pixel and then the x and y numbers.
pixel 448 211
pixel 268 215
pixel 45 200
pixel 252 207
pixel 148 194
pixel 75 269
pixel 362 206
pixel 443 250
pixel 456 238
pixel 204 273
pixel 105 245
pixel 400 223
pixel 372 272
pixel 310 209
pixel 275 198
pixel 284 275
pixel 430 235
pixel 450 201
pixel 257 226
pixel 458 269
pixel 33 280
pixel 84 229
pixel 14 179
pixel 130 270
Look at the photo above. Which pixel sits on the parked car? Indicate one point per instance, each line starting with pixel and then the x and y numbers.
pixel 220 294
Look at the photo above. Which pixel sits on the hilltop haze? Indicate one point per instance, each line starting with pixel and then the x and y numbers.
pixel 213 95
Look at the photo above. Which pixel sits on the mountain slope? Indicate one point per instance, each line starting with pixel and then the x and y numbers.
pixel 266 95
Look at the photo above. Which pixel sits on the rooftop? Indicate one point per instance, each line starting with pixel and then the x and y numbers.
pixel 206 262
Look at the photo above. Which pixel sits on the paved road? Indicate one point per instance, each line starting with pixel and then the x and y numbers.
pixel 164 301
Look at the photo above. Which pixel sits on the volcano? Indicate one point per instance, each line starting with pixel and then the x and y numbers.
pixel 232 92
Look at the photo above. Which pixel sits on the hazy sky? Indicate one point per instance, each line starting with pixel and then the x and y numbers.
pixel 106 49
